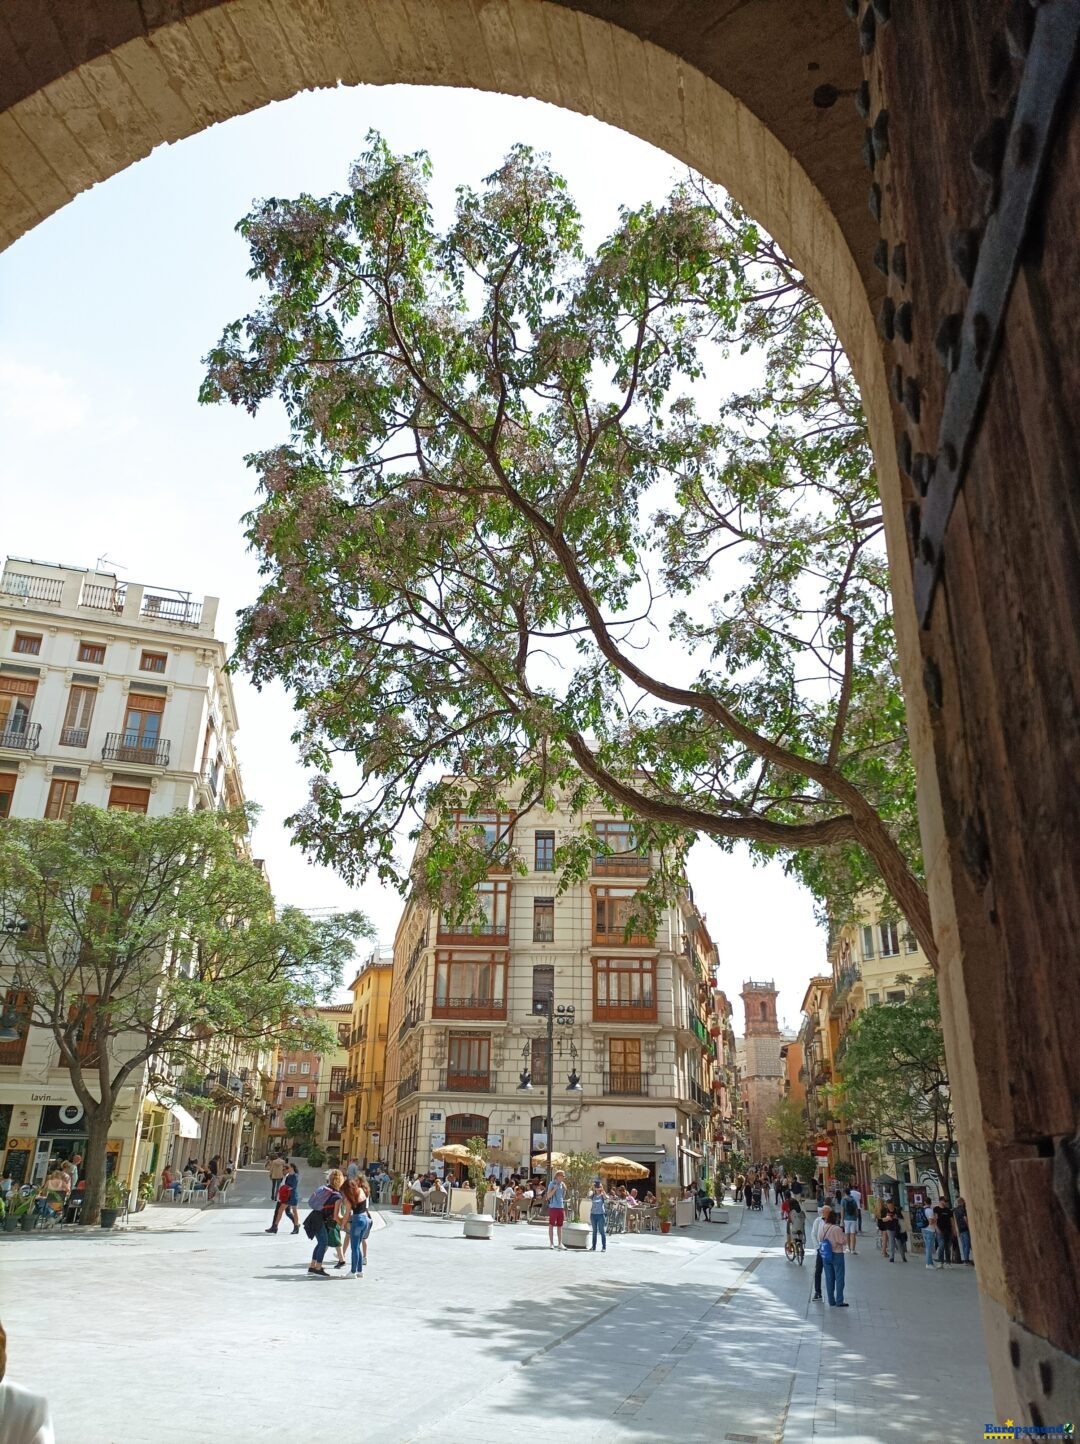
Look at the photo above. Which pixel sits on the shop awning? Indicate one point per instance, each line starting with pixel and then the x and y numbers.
pixel 186 1126
pixel 641 1154
pixel 690 1152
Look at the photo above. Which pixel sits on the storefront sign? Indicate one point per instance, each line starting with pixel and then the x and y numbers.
pixel 633 1137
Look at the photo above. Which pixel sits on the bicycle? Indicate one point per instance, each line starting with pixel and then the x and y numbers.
pixel 794 1249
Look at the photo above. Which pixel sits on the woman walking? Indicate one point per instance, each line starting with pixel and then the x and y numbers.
pixel 598 1216
pixel 323 1204
pixel 358 1223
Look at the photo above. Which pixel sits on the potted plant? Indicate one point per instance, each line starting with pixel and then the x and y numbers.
pixel 146 1191
pixel 664 1213
pixel 397 1183
pixel 22 1214
pixel 580 1170
pixel 478 1224
pixel 114 1201
pixel 406 1206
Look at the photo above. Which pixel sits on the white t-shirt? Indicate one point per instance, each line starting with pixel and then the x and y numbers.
pixel 24 1417
pixel 857 1196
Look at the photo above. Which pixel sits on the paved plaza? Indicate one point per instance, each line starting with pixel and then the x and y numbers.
pixel 195 1325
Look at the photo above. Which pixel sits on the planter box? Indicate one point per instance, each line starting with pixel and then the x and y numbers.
pixel 109 1217
pixel 478 1225
pixel 26 1222
pixel 576 1235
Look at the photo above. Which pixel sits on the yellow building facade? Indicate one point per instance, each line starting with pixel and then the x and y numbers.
pixel 365 1080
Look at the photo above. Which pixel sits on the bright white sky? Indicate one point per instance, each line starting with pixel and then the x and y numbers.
pixel 107 309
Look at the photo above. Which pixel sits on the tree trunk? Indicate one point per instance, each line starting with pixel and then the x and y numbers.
pixel 100 1120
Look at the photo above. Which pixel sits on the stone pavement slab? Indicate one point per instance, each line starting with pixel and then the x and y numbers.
pixel 707 1334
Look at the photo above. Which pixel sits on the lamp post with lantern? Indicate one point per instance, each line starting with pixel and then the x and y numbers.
pixel 562 1016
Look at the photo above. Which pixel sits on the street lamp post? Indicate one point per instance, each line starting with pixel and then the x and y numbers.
pixel 564 1017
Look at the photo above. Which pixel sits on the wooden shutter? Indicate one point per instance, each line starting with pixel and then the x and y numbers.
pixel 7 791
pixel 129 799
pixel 143 702
pixel 62 796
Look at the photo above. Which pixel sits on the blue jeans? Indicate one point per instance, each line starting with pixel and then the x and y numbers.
pixel 930 1240
pixel 359 1228
pixel 834 1278
pixel 965 1245
pixel 599 1227
pixel 322 1243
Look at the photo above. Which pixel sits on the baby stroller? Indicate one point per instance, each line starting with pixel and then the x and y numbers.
pixel 755 1196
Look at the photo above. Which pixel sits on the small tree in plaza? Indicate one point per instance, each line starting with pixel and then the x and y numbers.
pixel 477 1169
pixel 499 484
pixel 300 1126
pixel 895 1078
pixel 580 1170
pixel 133 940
pixel 787 1131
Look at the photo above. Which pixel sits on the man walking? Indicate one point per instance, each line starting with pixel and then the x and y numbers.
pixel 816 1229
pixel 963 1231
pixel 856 1194
pixel 556 1202
pixel 849 1211
pixel 276 1169
pixel 943 1223
pixel 922 1221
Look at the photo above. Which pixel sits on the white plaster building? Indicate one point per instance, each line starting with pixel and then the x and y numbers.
pixel 112 694
pixel 468 1015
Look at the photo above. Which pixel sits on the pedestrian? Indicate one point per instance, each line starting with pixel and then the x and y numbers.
pixel 922 1221
pixel 76 1169
pixel 778 1189
pixel 748 1192
pixel 816 1229
pixel 358 1224
pixel 796 1186
pixel 850 1213
pixel 25 1417
pixel 597 1216
pixel 353 1170
pixel 555 1198
pixel 276 1169
pixel 943 1223
pixel 856 1194
pixel 831 1250
pixel 963 1232
pixel 898 1235
pixel 323 1204
pixel 287 1199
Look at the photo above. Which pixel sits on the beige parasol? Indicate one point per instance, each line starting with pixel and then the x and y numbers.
pixel 452 1153
pixel 616 1167
pixel 558 1160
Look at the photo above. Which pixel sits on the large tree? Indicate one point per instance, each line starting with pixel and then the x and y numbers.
pixel 137 940
pixel 894 1080
pixel 513 534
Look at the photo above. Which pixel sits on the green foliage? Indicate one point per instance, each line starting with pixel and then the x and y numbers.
pixel 152 937
pixel 788 1131
pixel 300 1121
pixel 500 484
pixel 580 1170
pixel 316 1157
pixel 115 1192
pixel 895 1078
pixel 478 1159
pixel 147 1187
pixel 843 1171
pixel 804 1164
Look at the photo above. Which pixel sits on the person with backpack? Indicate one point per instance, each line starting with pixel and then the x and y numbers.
pixel 831 1252
pixel 922 1222
pixel 324 1205
pixel 849 1211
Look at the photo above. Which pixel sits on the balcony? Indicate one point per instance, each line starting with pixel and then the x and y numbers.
pixel 454 1081
pixel 701 1096
pixel 100 598
pixel 74 736
pixel 410 1020
pixel 12 1049
pixel 621 864
pixel 26 738
pixel 626 1085
pixel 127 747
pixel 408 1085
pixel 483 1008
pixel 415 952
pixel 34 589
pixel 171 609
pixel 616 937
pixel 635 1012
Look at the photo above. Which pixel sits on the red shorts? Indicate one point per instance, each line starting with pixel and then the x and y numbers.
pixel 556 1217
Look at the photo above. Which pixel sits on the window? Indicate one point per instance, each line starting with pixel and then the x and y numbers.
pixel 468 1060
pixel 889 944
pixel 7 792
pixel 911 942
pixel 868 942
pixel 538 1061
pixel 16 700
pixel 77 718
pixel 624 989
pixel 487 830
pixel 15 1020
pixel 460 1127
pixel 292 1067
pixel 337 1082
pixel 152 662
pixel 62 794
pixel 543 920
pixel 895 995
pixel 873 999
pixel 543 986
pixel 290 1092
pixel 624 1066
pixel 618 852
pixel 764 1013
pixel 25 642
pixel 302 1091
pixel 494 901
pixel 129 799
pixel 305 1067
pixel 142 728
pixel 612 912
pixel 544 852
pixel 470 986
pixel 93 652
pixel 82 1018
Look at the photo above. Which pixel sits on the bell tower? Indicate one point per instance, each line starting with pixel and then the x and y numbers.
pixel 763 1074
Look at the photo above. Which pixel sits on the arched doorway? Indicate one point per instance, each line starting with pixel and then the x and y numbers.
pixel 460 1127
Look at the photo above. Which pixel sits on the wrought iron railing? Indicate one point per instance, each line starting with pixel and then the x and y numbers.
pixel 408 1085
pixel 640 1011
pixel 129 747
pixel 456 1080
pixel 629 1085
pixel 22 739
pixel 171 609
pixel 473 1007
pixel 74 736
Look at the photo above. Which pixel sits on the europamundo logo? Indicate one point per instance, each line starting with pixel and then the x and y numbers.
pixel 1009 1430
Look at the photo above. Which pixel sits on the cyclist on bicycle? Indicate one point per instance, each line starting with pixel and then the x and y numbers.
pixel 796 1221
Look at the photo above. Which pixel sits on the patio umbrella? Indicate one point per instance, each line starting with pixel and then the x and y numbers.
pixel 452 1153
pixel 558 1160
pixel 616 1167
